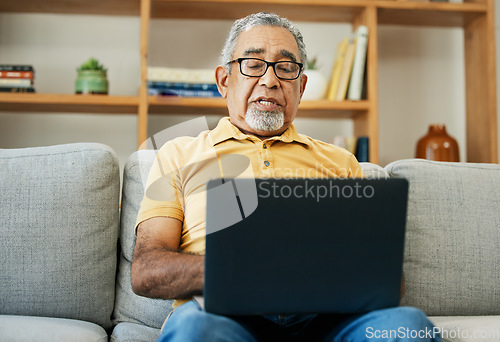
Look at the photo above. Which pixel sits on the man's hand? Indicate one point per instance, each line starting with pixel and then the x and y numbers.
pixel 159 270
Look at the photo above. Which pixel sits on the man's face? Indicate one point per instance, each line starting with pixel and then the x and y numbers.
pixel 266 105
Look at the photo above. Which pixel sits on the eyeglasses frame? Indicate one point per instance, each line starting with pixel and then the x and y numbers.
pixel 268 64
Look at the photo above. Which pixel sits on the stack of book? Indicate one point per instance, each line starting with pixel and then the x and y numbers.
pixel 359 146
pixel 348 80
pixel 16 78
pixel 182 82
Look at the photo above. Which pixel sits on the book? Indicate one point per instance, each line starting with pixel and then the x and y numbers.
pixel 183 89
pixel 176 75
pixel 337 68
pixel 345 73
pixel 348 143
pixel 362 150
pixel 351 143
pixel 16 82
pixel 16 90
pixel 16 74
pixel 12 67
pixel 182 85
pixel 358 68
pixel 183 92
pixel 339 141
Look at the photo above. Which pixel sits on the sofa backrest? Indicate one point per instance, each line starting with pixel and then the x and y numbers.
pixel 59 228
pixel 452 251
pixel 373 171
pixel 130 307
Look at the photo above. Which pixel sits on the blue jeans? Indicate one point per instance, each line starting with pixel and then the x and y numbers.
pixel 189 323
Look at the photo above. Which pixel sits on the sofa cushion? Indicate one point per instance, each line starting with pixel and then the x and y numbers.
pixel 452 254
pixel 59 228
pixel 468 328
pixel 373 171
pixel 130 307
pixel 46 329
pixel 131 332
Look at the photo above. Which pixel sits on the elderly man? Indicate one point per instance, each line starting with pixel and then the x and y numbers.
pixel 262 78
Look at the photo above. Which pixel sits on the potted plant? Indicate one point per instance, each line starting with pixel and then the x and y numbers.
pixel 316 82
pixel 92 78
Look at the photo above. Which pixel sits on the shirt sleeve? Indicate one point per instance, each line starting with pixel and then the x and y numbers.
pixel 355 170
pixel 162 191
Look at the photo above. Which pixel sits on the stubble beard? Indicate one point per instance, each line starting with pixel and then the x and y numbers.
pixel 265 121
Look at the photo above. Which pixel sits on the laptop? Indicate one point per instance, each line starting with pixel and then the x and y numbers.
pixel 304 245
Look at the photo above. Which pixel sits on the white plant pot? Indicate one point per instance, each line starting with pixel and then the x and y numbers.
pixel 316 86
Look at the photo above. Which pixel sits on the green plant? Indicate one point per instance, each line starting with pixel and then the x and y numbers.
pixel 92 64
pixel 312 64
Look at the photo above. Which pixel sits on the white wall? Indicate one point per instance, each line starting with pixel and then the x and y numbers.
pixel 421 76
pixel 56 45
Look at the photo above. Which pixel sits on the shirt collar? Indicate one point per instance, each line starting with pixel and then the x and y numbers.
pixel 225 130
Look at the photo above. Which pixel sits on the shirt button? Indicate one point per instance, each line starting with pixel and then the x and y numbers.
pixel 266 163
pixel 264 146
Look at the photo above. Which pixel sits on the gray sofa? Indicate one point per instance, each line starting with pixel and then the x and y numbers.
pixel 66 247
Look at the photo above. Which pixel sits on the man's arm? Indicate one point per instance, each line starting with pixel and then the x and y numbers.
pixel 159 270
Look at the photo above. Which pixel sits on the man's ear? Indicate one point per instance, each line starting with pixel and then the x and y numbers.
pixel 221 78
pixel 303 81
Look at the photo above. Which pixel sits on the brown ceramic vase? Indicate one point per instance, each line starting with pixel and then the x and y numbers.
pixel 438 145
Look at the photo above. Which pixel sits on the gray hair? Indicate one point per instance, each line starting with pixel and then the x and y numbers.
pixel 259 19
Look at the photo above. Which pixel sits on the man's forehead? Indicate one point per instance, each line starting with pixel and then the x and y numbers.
pixel 260 40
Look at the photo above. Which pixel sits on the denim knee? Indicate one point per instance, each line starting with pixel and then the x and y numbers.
pixel 406 323
pixel 190 323
pixel 410 317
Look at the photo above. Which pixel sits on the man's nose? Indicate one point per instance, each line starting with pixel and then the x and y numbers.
pixel 269 79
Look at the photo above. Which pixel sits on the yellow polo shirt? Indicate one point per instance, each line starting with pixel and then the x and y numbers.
pixel 177 180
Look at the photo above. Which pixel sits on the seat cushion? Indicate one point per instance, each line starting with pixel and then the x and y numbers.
pixel 452 254
pixel 128 332
pixel 130 307
pixel 59 228
pixel 45 329
pixel 468 328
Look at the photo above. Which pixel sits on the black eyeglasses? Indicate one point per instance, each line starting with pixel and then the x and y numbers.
pixel 256 67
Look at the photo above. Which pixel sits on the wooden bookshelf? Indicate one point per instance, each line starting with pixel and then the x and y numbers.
pixel 58 103
pixel 475 17
pixel 217 106
pixel 98 7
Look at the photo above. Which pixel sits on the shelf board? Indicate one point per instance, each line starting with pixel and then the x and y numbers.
pixel 428 13
pixel 107 7
pixel 106 104
pixel 332 109
pixel 187 105
pixel 389 11
pixel 60 103
pixel 312 10
pixel 217 106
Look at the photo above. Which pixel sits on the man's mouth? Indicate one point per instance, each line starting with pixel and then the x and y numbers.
pixel 268 104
